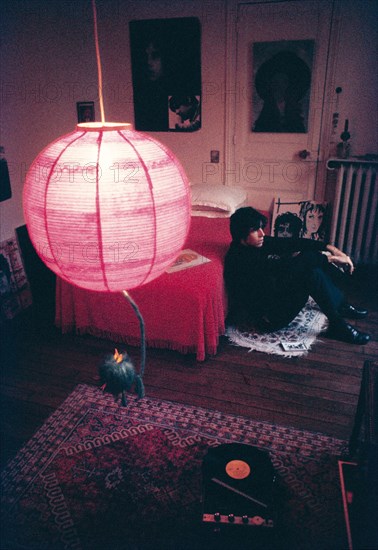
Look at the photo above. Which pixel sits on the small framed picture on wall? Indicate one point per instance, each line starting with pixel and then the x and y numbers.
pixel 85 111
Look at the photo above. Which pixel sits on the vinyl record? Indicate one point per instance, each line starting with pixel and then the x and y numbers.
pixel 238 469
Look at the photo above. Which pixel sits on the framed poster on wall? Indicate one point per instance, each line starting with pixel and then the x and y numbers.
pixel 166 72
pixel 85 111
pixel 281 85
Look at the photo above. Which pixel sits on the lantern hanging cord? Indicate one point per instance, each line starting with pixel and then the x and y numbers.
pixel 142 331
pixel 99 69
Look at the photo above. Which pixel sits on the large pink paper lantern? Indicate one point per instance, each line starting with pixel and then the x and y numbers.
pixel 107 208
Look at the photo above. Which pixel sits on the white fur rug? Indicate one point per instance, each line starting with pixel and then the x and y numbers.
pixel 292 341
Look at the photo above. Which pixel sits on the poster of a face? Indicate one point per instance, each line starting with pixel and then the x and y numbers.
pixel 166 71
pixel 304 219
pixel 281 85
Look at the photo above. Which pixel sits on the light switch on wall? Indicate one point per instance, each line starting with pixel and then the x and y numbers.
pixel 214 156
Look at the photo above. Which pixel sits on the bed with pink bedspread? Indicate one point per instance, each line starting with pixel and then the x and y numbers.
pixel 183 311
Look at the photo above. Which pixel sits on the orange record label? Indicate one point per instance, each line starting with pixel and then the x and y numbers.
pixel 238 469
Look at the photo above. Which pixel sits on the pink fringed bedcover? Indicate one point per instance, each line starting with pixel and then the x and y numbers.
pixel 183 311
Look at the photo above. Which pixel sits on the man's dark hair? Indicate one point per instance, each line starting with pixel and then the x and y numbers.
pixel 244 220
pixel 177 100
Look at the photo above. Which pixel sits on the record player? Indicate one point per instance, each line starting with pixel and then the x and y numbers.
pixel 238 487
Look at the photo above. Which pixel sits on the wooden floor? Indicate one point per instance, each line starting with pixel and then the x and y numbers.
pixel 318 392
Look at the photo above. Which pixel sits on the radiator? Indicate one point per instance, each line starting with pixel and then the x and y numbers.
pixel 354 221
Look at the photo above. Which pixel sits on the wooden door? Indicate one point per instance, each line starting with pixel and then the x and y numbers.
pixel 281 60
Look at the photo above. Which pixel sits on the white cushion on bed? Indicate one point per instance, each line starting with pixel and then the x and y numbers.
pixel 216 201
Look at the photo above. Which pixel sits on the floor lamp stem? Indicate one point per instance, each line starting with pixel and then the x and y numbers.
pixel 142 331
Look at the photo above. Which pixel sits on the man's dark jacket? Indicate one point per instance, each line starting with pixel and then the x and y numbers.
pixel 256 277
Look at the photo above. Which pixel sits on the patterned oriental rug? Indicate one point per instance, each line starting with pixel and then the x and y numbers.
pixel 292 341
pixel 98 475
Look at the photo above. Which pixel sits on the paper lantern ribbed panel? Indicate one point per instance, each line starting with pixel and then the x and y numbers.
pixel 107 208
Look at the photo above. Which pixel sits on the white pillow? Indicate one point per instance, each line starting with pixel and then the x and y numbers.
pixel 216 201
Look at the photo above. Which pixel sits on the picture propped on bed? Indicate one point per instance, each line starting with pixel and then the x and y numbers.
pixel 304 219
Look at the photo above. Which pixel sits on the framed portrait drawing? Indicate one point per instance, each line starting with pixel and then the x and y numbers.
pixel 166 72
pixel 304 219
pixel 281 85
pixel 85 111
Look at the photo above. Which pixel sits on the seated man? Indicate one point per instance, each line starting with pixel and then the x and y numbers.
pixel 269 279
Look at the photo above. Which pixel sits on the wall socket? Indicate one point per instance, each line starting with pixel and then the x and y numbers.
pixel 214 156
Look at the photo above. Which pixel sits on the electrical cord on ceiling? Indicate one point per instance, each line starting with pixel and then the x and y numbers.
pixel 99 69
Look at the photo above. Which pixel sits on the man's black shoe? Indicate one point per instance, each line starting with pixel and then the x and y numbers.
pixel 351 312
pixel 344 332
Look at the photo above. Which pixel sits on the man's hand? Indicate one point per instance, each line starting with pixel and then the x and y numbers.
pixel 339 258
